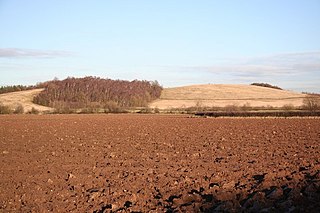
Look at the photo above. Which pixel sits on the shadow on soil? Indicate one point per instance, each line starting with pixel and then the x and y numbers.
pixel 304 196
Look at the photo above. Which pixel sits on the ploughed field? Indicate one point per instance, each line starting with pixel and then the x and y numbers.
pixel 143 163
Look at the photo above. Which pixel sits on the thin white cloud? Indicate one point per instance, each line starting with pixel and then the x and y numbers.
pixel 30 53
pixel 288 64
pixel 300 71
pixel 249 69
pixel 288 58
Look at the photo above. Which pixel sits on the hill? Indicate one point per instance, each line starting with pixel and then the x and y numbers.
pixel 220 95
pixel 88 94
pixel 131 94
pixel 24 98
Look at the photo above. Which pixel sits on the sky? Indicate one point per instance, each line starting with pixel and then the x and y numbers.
pixel 177 42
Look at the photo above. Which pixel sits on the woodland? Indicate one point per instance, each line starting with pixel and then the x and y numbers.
pixel 94 92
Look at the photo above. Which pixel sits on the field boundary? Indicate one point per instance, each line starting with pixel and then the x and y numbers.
pixel 260 114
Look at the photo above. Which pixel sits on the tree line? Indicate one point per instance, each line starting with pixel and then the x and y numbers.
pixel 77 93
pixel 266 85
pixel 15 88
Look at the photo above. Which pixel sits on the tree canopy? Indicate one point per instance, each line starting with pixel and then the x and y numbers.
pixel 88 91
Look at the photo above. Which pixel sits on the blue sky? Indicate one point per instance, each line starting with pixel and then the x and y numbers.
pixel 177 42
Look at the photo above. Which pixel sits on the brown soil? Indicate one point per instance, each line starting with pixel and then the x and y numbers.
pixel 133 163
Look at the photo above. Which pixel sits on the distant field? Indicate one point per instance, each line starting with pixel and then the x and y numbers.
pixel 220 95
pixel 13 99
pixel 210 95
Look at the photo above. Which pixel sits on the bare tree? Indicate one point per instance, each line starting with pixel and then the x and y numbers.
pixel 82 92
pixel 311 103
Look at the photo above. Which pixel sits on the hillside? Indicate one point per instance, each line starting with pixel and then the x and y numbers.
pixel 220 95
pixel 13 99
